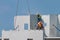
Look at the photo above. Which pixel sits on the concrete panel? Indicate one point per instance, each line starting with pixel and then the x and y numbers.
pixel 20 21
pixel 46 19
pixel 23 35
pixel 58 26
pixel 53 21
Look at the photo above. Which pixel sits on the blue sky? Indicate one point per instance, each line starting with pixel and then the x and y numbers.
pixel 8 10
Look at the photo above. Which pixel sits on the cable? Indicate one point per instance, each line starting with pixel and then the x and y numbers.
pixel 17 7
pixel 56 28
pixel 16 10
pixel 28 6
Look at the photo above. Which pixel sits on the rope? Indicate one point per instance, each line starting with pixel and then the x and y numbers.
pixel 28 6
pixel 16 10
pixel 17 7
pixel 56 28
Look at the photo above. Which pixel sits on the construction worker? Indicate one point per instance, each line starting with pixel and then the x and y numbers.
pixel 40 22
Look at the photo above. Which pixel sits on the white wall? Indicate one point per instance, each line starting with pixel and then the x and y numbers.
pixel 21 20
pixel 58 32
pixel 23 35
pixel 53 21
pixel 50 30
pixel 59 18
pixel 46 19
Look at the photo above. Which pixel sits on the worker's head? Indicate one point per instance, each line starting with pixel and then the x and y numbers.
pixel 38 15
